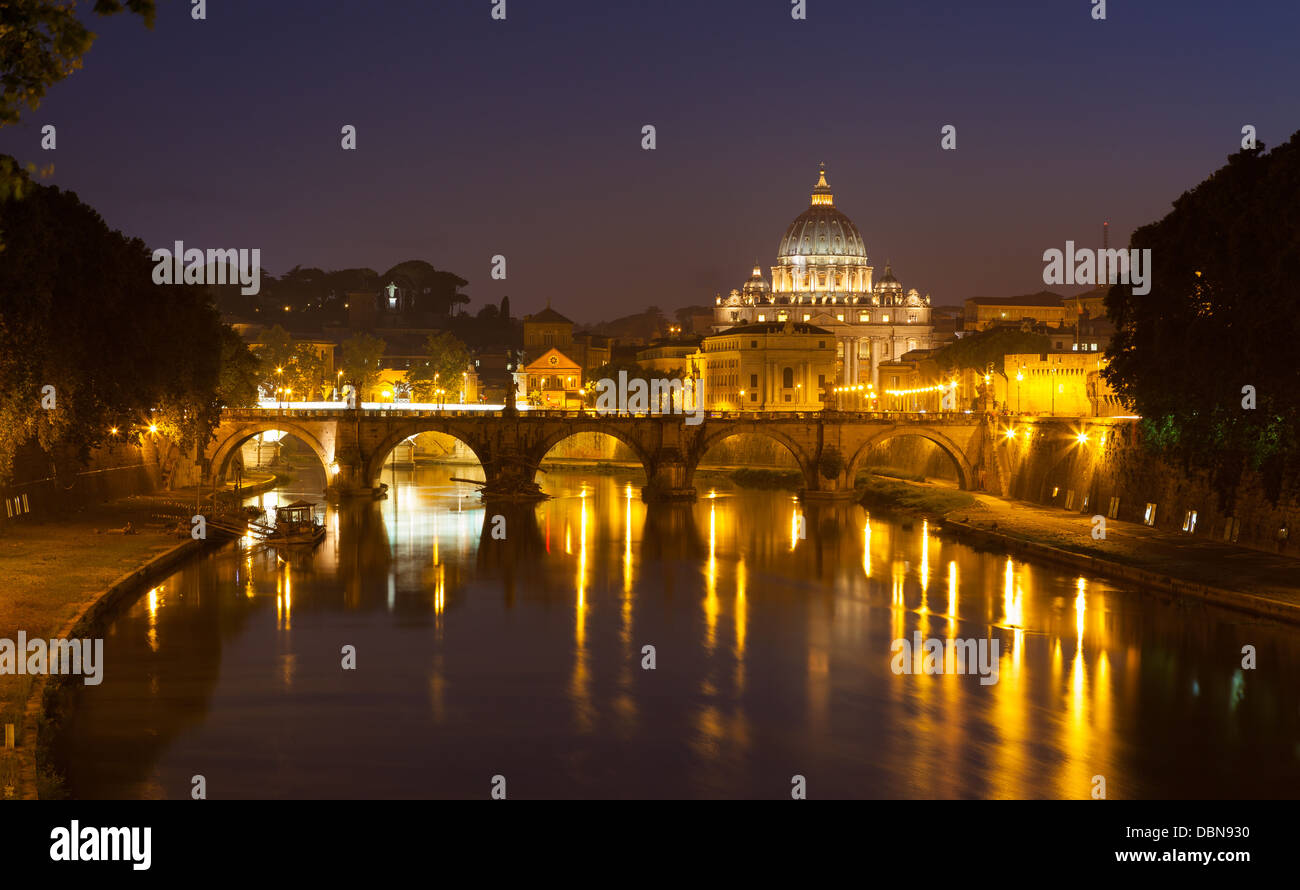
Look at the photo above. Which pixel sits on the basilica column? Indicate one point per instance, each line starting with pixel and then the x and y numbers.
pixel 875 366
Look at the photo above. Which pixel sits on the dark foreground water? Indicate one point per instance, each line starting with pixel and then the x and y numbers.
pixel 523 657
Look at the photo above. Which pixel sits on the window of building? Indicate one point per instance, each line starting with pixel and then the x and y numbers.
pixel 781 316
pixel 762 317
pixel 911 317
pixel 753 397
pixel 787 379
pixel 839 316
pixel 807 316
pixel 864 316
pixel 787 397
pixel 753 380
pixel 821 344
pixel 753 344
pixel 885 319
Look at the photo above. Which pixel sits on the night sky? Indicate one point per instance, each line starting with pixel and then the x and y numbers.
pixel 523 138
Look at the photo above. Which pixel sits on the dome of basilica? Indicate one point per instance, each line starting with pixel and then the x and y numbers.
pixel 821 230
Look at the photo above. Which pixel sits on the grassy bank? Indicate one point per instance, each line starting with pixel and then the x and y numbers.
pixel 902 496
pixel 865 475
pixel 52 571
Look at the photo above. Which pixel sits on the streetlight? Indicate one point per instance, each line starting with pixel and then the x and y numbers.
pixel 1019 376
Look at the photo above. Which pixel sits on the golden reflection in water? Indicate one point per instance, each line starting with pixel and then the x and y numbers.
pixel 952 595
pixel 436 556
pixel 249 588
pixel 154 599
pixel 1079 607
pixel 866 546
pixel 440 593
pixel 581 685
pixel 625 633
pixel 741 606
pixel 795 521
pixel 1076 778
pixel 711 588
pixel 283 595
pixel 627 550
pixel 925 561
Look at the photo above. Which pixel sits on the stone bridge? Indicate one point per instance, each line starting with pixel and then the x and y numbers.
pixel 830 447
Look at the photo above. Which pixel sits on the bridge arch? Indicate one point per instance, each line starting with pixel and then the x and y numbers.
pixel 967 478
pixel 375 463
pixel 234 440
pixel 718 434
pixel 615 431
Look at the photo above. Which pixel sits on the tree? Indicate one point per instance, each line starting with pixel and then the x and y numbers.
pixel 448 359
pixel 79 313
pixel 1220 317
pixel 362 361
pixel 41 43
pixel 240 371
pixel 433 290
pixel 989 347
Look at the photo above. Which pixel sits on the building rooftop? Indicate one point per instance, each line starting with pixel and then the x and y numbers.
pixel 1042 298
pixel 771 327
pixel 547 316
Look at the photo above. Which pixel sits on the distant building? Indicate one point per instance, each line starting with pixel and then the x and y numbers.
pixel 669 355
pixel 822 278
pixel 769 366
pixel 549 329
pixel 553 380
pixel 1059 383
pixel 1043 307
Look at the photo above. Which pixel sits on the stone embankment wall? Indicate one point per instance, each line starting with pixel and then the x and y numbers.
pixel 44 488
pixel 1110 474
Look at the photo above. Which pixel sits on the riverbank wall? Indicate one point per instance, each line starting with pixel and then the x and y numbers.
pixel 45 703
pixel 1099 467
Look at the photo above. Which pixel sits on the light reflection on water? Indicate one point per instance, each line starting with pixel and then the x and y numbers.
pixel 771 623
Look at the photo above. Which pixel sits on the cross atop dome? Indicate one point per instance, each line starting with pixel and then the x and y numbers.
pixel 821 194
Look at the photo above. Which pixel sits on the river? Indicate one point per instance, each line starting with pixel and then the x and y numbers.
pixel 773 628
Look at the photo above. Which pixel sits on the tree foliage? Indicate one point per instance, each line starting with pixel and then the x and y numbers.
pixel 42 42
pixel 79 312
pixel 448 359
pixel 434 291
pixel 289 364
pixel 362 361
pixel 988 347
pixel 1220 316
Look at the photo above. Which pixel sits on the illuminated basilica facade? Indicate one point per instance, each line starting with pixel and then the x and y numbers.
pixel 822 278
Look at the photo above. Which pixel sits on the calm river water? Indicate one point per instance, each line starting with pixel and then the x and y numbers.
pixel 523 657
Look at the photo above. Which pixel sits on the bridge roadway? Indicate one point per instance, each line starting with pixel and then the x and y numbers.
pixel 829 446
